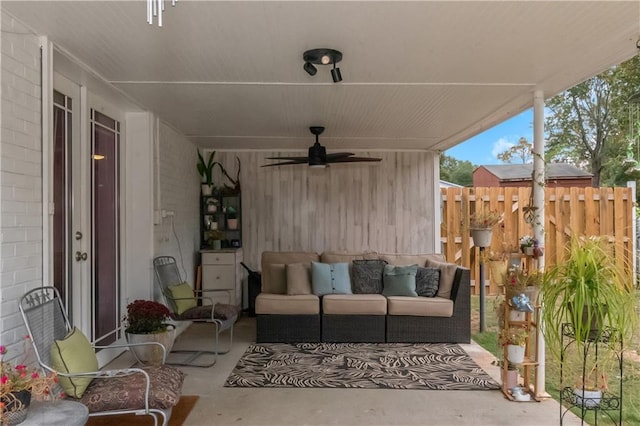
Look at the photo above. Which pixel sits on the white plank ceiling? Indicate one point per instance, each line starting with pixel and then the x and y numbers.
pixel 417 74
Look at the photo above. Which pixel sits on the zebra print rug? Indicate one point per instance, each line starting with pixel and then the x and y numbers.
pixel 435 366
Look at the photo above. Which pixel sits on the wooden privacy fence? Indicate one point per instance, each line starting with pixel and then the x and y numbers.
pixel 582 211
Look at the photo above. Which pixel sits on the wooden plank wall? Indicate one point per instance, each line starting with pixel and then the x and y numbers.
pixel 385 207
pixel 583 211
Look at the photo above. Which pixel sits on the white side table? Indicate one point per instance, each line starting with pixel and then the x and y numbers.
pixel 58 412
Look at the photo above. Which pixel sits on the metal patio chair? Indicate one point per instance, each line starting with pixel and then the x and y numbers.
pixel 150 391
pixel 222 316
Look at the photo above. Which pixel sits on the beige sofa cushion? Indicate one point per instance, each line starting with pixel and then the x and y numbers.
pixel 298 278
pixel 420 306
pixel 340 257
pixel 410 259
pixel 447 275
pixel 354 304
pixel 281 258
pixel 284 304
pixel 277 283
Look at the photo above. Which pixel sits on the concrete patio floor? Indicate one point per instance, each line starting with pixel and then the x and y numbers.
pixel 293 406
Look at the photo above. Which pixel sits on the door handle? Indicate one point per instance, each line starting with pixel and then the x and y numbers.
pixel 81 256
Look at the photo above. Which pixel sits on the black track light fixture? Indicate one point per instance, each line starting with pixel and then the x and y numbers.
pixel 323 56
pixel 309 68
pixel 336 75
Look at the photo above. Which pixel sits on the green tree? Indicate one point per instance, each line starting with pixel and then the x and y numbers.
pixel 523 151
pixel 588 124
pixel 456 171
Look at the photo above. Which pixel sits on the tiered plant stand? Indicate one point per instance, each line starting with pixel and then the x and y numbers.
pixel 529 367
pixel 610 402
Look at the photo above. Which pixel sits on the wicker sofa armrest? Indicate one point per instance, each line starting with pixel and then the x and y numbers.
pixel 461 293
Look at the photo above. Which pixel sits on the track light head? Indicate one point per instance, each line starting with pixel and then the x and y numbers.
pixel 336 75
pixel 309 68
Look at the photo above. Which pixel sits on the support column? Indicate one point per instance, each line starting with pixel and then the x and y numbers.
pixel 539 222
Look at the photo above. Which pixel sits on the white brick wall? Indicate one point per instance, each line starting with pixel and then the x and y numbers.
pixel 179 192
pixel 20 176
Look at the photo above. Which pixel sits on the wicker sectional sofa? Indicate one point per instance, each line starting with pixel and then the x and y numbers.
pixel 287 311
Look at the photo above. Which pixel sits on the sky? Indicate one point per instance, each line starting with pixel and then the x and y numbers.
pixel 483 148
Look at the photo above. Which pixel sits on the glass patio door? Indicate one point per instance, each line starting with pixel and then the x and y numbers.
pixel 86 209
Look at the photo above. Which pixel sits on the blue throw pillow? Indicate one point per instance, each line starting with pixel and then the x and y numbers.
pixel 400 280
pixel 330 278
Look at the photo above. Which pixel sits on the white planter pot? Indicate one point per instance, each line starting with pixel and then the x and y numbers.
pixel 212 208
pixel 481 236
pixel 206 189
pixel 588 398
pixel 151 354
pixel 517 315
pixel 515 354
pixel 528 251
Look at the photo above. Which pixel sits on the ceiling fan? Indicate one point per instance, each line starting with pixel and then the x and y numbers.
pixel 318 156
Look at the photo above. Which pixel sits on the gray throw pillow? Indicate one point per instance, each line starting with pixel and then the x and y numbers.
pixel 427 281
pixel 367 276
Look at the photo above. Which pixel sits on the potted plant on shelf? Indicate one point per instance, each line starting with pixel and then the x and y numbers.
pixel 589 290
pixel 232 217
pixel 146 321
pixel 481 224
pixel 212 205
pixel 589 390
pixel 517 285
pixel 205 170
pixel 214 237
pixel 498 265
pixel 515 340
pixel 530 246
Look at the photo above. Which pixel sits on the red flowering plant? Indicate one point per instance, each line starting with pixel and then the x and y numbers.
pixel 17 377
pixel 146 317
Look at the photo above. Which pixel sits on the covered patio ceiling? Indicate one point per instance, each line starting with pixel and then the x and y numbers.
pixel 417 74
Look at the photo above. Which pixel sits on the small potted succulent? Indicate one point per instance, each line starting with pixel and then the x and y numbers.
pixel 232 217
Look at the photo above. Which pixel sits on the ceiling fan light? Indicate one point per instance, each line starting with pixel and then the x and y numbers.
pixel 317 166
pixel 309 68
pixel 317 155
pixel 336 75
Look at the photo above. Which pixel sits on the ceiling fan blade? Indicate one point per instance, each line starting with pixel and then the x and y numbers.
pixel 339 154
pixel 285 163
pixel 304 159
pixel 354 160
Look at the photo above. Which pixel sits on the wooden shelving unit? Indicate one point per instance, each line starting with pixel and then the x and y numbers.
pixel 528 369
